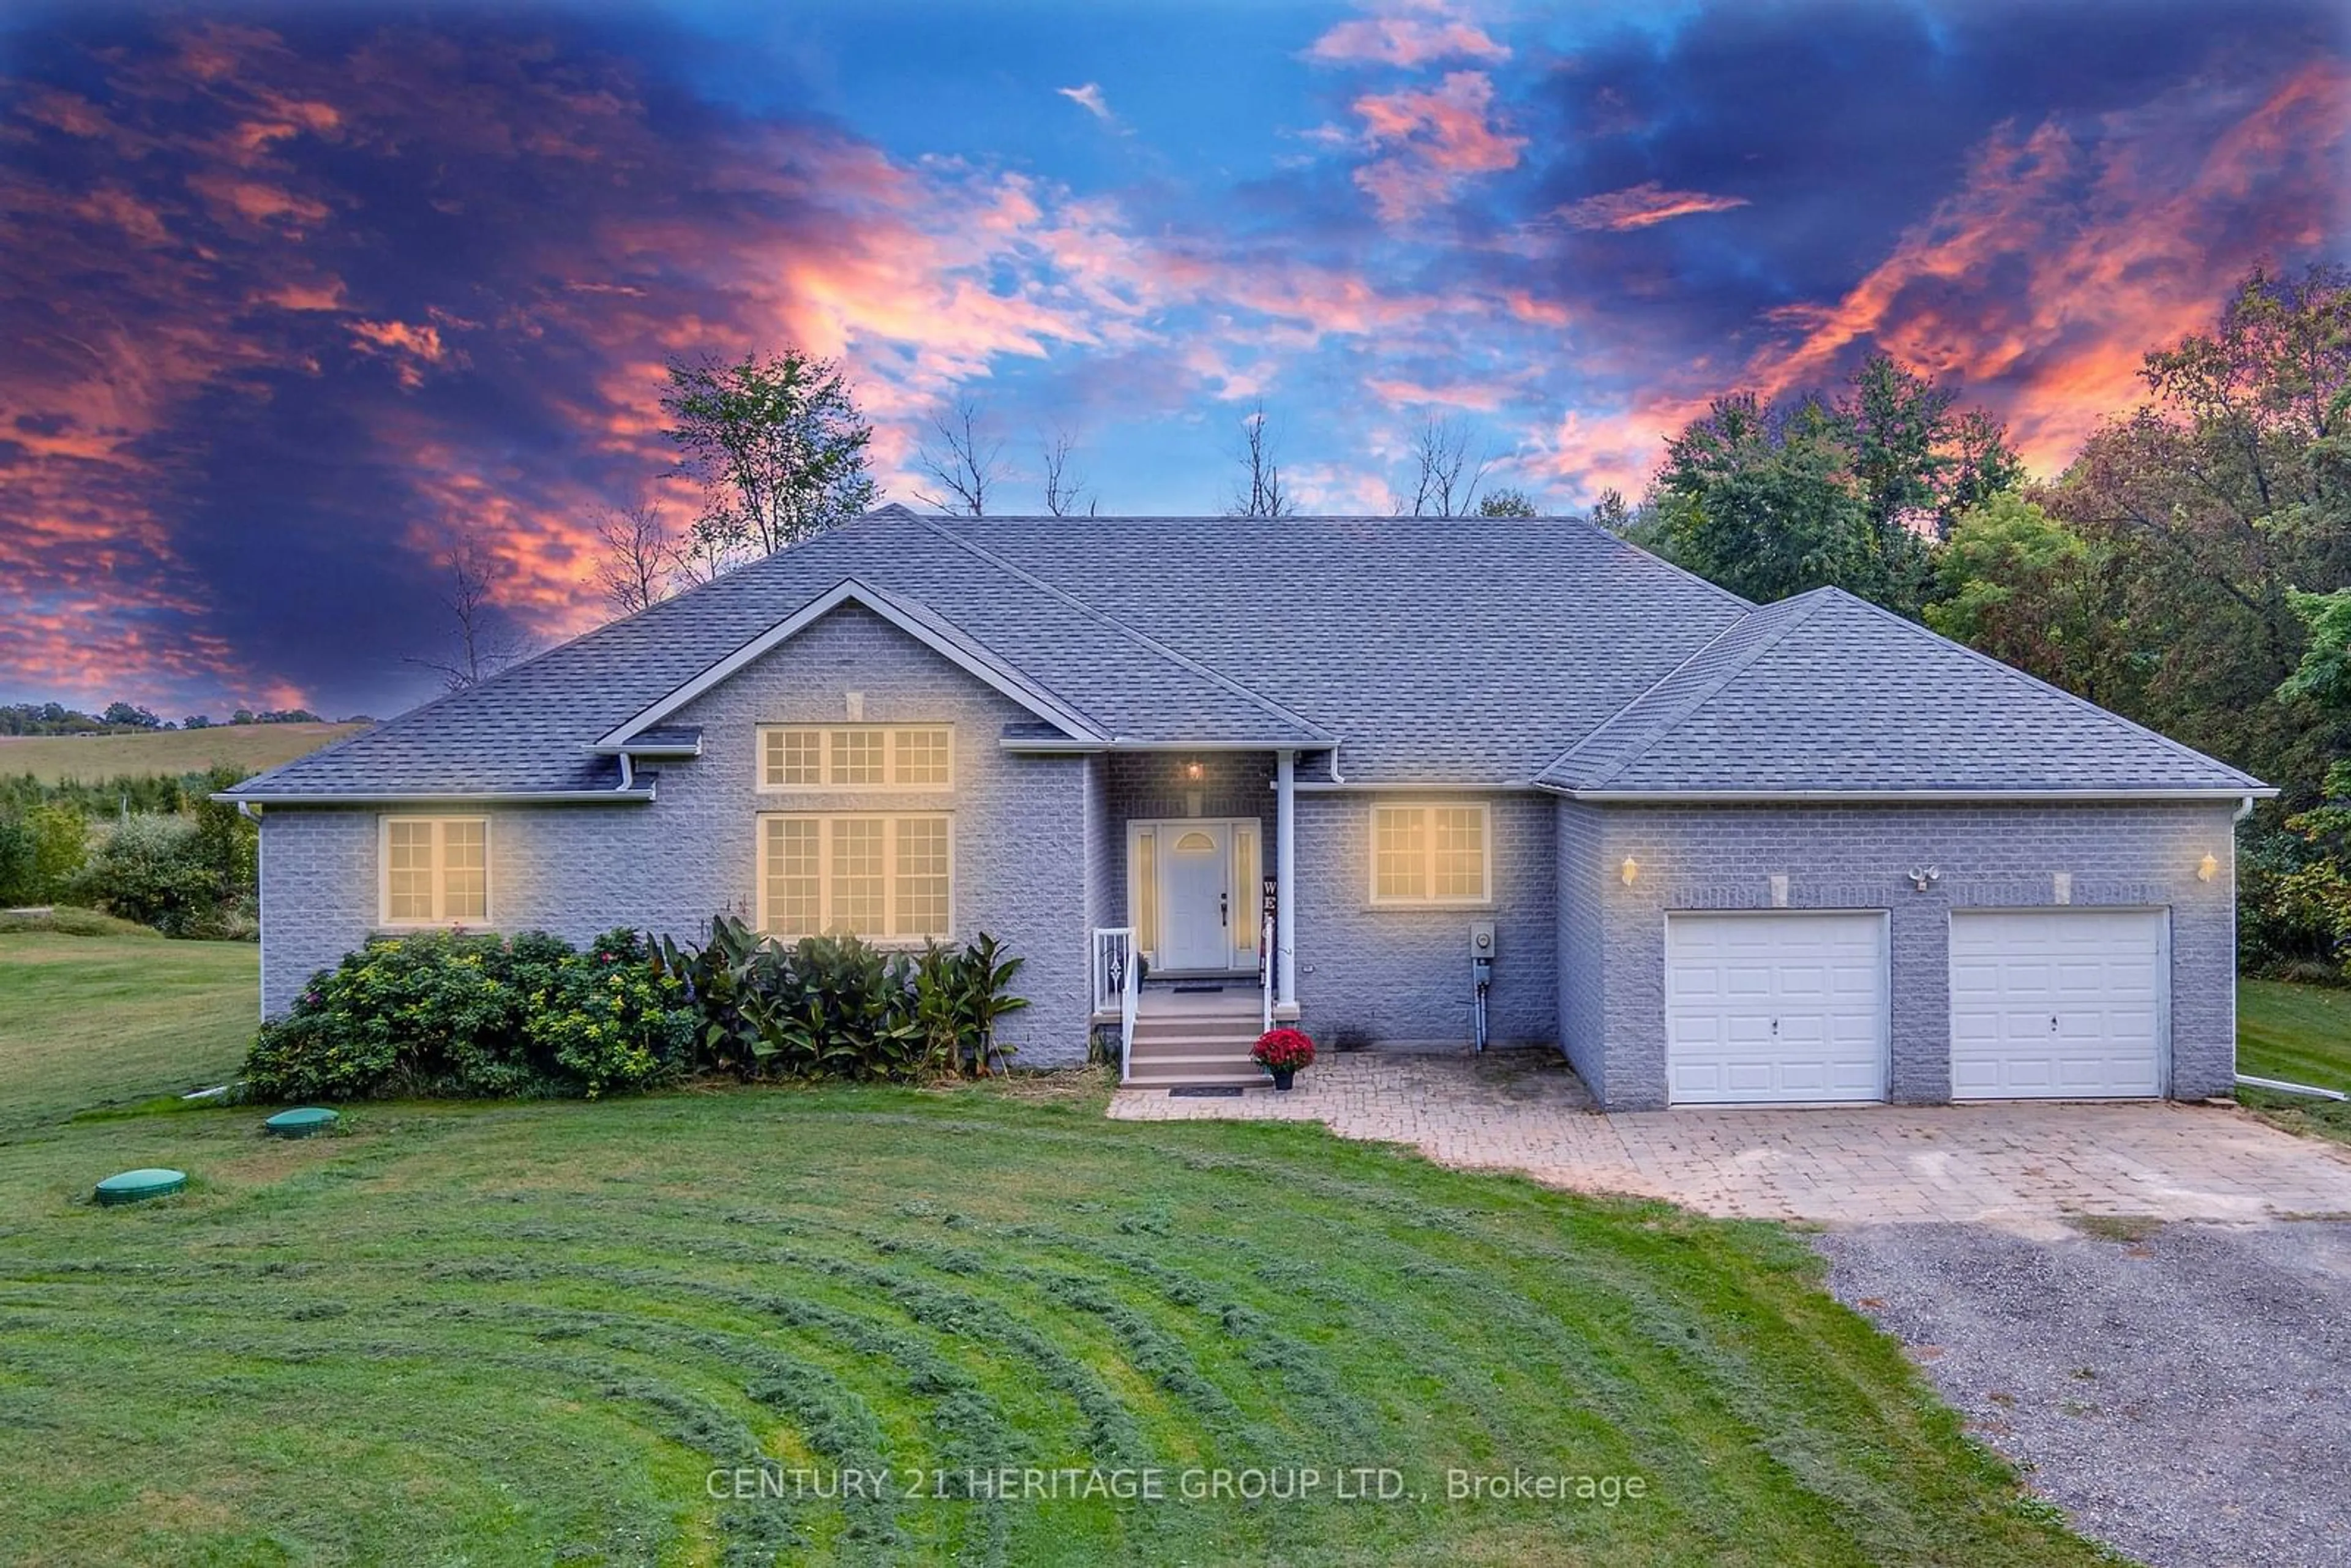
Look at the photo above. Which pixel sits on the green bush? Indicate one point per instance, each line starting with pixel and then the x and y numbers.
pixel 838 1007
pixel 477 1017
pixel 2294 896
pixel 485 1016
pixel 42 850
pixel 608 1021
pixel 153 870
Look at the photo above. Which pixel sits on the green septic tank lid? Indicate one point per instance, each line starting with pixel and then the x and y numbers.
pixel 131 1187
pixel 301 1122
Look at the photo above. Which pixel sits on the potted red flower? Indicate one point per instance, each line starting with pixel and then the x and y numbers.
pixel 1281 1052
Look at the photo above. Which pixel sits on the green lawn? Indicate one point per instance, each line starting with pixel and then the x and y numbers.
pixel 2301 1034
pixel 528 1333
pixel 94 758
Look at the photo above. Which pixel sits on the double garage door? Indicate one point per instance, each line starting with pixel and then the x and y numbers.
pixel 1793 1008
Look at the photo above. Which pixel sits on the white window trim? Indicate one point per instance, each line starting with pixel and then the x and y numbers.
pixel 385 920
pixel 1377 900
pixel 824 880
pixel 888 732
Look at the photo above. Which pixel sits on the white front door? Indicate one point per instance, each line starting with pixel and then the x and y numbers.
pixel 1775 1006
pixel 1196 896
pixel 2057 1004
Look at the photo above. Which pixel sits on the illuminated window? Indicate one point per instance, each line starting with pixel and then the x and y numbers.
pixel 1434 854
pixel 856 757
pixel 435 871
pixel 884 878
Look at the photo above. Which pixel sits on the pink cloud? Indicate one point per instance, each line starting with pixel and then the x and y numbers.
pixel 1429 142
pixel 1405 41
pixel 1639 207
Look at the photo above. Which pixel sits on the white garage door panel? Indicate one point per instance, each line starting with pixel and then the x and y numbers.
pixel 1764 1008
pixel 2057 1004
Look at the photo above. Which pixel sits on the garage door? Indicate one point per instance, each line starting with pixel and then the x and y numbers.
pixel 1775 1008
pixel 2057 1004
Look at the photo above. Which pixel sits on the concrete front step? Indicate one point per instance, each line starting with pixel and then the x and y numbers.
pixel 1195 1039
pixel 1165 1075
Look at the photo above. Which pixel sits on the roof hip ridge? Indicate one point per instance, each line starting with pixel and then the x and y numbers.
pixel 1182 660
pixel 1704 694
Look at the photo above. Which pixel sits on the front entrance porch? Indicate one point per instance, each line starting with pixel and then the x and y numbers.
pixel 1205 961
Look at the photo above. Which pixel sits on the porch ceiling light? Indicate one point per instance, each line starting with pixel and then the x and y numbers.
pixel 2205 868
pixel 1630 870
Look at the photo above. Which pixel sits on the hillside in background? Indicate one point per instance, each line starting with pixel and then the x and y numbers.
pixel 93 759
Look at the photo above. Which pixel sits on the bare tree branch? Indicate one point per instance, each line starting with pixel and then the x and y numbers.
pixel 966 463
pixel 484 640
pixel 1063 489
pixel 642 559
pixel 1259 493
pixel 1444 482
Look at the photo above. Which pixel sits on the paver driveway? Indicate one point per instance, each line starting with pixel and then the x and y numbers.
pixel 2023 1167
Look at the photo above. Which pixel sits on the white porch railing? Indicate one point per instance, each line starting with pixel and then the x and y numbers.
pixel 1265 968
pixel 1117 984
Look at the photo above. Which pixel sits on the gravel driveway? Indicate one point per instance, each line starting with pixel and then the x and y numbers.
pixel 2178 1388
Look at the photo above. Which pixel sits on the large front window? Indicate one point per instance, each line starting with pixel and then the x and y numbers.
pixel 887 878
pixel 1430 854
pixel 855 757
pixel 435 870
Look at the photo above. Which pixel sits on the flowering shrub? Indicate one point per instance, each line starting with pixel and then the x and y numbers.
pixel 1283 1050
pixel 608 1020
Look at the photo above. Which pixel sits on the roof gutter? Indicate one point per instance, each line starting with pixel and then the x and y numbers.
pixel 623 796
pixel 1897 797
pixel 1051 745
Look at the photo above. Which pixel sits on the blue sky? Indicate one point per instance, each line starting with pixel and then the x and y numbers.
pixel 293 295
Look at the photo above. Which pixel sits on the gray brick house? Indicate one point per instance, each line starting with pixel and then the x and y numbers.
pixel 1309 769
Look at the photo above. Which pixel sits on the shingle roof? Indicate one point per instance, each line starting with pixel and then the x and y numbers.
pixel 1466 649
pixel 1827 693
pixel 1463 651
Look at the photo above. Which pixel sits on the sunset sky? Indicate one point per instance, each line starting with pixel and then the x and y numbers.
pixel 289 295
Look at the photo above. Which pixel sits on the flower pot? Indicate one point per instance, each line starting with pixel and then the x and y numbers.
pixel 1283 1077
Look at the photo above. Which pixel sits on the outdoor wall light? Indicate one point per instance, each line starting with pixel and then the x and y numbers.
pixel 1629 870
pixel 2205 868
pixel 1193 771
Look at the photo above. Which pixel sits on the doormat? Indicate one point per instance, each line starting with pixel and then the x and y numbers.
pixel 1195 991
pixel 1207 1092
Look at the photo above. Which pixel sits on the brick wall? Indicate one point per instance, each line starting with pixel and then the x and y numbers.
pixel 1855 857
pixel 1402 975
pixel 1022 866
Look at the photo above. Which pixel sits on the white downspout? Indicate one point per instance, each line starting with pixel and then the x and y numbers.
pixel 1285 883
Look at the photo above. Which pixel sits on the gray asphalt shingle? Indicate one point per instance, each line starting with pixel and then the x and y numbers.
pixel 1825 693
pixel 1471 651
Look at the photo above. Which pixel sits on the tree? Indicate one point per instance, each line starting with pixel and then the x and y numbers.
pixel 483 641
pixel 777 445
pixel 2225 494
pixel 1065 490
pixel 1259 493
pixel 1445 480
pixel 1507 501
pixel 1761 501
pixel 129 715
pixel 2017 584
pixel 1851 493
pixel 965 462
pixel 641 555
